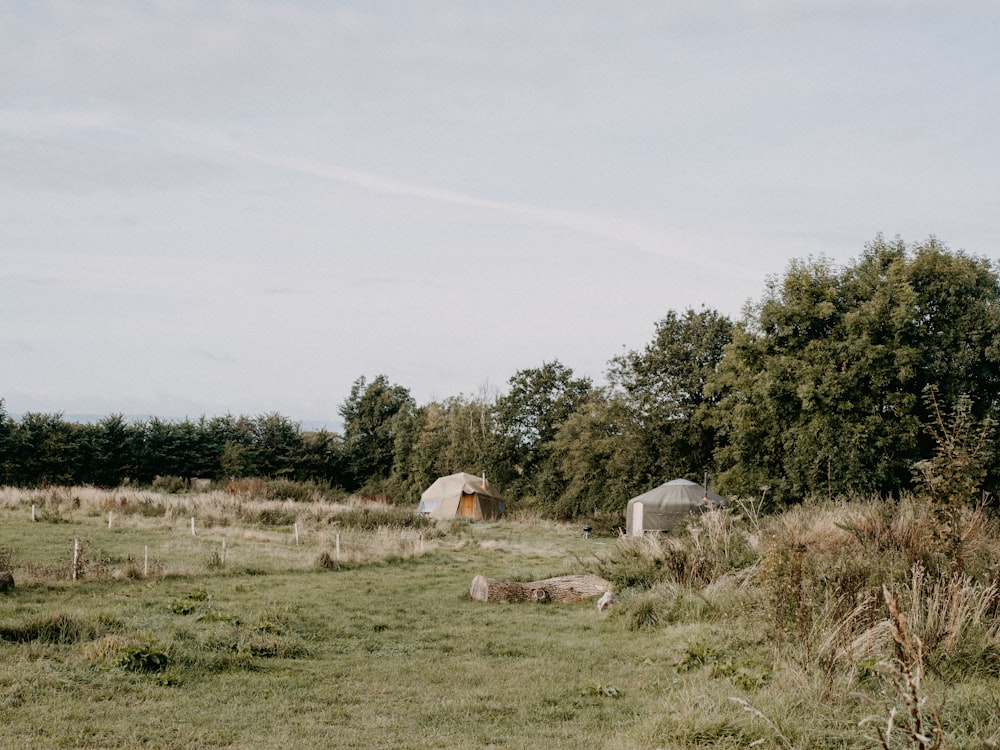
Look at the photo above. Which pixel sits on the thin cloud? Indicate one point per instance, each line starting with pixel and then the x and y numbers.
pixel 636 235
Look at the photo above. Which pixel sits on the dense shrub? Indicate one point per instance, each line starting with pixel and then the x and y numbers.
pixel 369 519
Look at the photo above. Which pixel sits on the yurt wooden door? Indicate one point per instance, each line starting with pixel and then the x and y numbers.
pixel 467 506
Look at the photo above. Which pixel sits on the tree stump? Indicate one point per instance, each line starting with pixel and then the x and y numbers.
pixel 6 581
pixel 561 589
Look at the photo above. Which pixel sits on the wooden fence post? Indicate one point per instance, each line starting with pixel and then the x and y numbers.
pixel 76 558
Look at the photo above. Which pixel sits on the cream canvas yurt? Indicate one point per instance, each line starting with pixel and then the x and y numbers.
pixel 461 496
pixel 665 506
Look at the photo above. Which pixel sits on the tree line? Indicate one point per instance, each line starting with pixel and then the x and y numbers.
pixel 840 381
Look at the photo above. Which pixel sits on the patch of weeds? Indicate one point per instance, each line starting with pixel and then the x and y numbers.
pixel 272 648
pixel 325 562
pixel 375 648
pixel 641 563
pixel 213 615
pixel 370 519
pixel 250 570
pixel 59 629
pixel 287 489
pixel 50 515
pixel 147 658
pixel 646 611
pixel 505 651
pixel 182 607
pixel 170 485
pixel 214 561
pixel 603 691
pixel 168 679
pixel 186 604
pixel 149 508
pixel 272 620
pixel 747 674
pixel 275 517
pixel 105 650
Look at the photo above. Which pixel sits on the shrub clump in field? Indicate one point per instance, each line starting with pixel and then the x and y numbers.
pixel 325 561
pixel 268 516
pixel 170 485
pixel 370 519
pixel 146 658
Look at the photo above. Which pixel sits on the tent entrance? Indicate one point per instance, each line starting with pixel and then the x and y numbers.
pixel 467 506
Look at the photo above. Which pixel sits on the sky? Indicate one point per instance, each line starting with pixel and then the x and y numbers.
pixel 242 207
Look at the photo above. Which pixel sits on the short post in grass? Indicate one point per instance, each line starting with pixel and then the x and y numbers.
pixel 32 513
pixel 338 546
pixel 192 526
pixel 145 563
pixel 110 516
pixel 76 559
pixel 223 558
pixel 296 535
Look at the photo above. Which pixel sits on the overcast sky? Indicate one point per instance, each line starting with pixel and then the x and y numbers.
pixel 241 207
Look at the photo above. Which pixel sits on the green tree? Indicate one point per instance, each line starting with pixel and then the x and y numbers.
pixel 663 392
pixel 820 390
pixel 7 450
pixel 369 430
pixel 175 449
pixel 231 441
pixel 527 419
pixel 441 438
pixel 322 457
pixel 597 452
pixel 276 445
pixel 46 450
pixel 115 445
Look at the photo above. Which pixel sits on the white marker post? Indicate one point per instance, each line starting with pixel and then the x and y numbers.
pixel 192 525
pixel 145 563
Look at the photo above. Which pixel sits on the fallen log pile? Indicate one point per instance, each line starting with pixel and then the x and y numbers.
pixel 560 589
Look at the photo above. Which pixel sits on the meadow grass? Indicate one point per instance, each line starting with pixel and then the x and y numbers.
pixel 384 648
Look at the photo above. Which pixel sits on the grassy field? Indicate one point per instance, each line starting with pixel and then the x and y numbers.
pixel 164 641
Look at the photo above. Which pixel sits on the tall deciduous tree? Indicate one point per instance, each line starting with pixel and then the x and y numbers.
pixel 369 433
pixel 527 419
pixel 597 452
pixel 821 388
pixel 663 390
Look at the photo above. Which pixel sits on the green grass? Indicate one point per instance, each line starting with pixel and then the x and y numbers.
pixel 385 649
pixel 269 650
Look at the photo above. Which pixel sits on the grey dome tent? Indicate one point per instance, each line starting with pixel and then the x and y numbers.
pixel 461 496
pixel 666 506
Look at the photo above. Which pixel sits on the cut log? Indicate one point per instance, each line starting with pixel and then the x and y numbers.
pixel 561 589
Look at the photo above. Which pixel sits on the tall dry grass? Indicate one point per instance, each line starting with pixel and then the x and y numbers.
pixel 244 527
